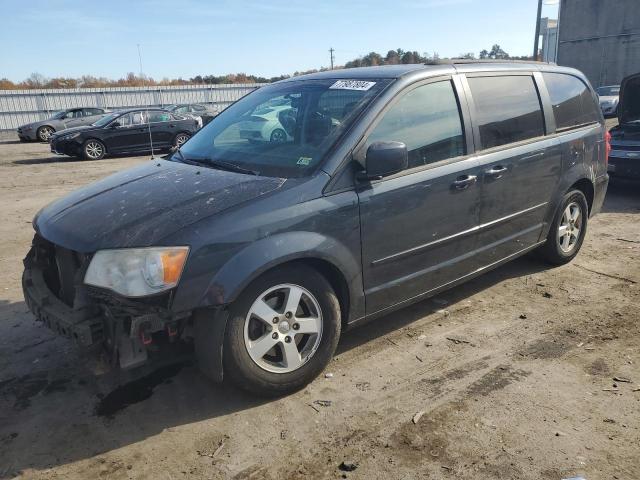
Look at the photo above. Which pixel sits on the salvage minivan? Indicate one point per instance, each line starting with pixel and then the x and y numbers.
pixel 389 185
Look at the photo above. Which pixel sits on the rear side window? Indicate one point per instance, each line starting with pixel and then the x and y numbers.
pixel 427 120
pixel 507 109
pixel 573 103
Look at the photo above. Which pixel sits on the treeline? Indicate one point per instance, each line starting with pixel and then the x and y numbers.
pixel 393 57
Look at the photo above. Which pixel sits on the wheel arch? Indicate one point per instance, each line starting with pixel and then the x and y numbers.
pixel 583 183
pixel 586 186
pixel 330 258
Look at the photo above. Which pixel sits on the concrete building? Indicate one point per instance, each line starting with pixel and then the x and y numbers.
pixel 601 38
pixel 549 34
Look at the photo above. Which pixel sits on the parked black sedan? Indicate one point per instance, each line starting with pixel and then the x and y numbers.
pixel 125 131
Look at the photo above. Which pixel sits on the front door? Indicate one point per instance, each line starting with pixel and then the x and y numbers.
pixel 521 167
pixel 419 226
pixel 132 133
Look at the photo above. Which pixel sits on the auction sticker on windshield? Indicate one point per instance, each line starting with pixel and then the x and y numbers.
pixel 352 85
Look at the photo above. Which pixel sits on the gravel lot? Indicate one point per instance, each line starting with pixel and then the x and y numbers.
pixel 509 376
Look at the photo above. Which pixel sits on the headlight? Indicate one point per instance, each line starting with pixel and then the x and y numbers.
pixel 136 272
pixel 70 136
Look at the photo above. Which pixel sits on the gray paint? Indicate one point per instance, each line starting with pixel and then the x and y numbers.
pixel 601 38
pixel 394 241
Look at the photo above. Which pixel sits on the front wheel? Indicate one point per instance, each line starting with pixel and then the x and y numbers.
pixel 282 331
pixel 181 139
pixel 93 150
pixel 568 229
pixel 44 133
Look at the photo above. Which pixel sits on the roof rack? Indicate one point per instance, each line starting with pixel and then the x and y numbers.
pixel 463 61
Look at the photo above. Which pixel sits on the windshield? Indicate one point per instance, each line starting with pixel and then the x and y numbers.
pixel 284 129
pixel 608 91
pixel 106 119
pixel 59 115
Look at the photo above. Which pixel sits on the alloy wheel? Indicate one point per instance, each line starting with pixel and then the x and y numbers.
pixel 570 227
pixel 283 328
pixel 181 139
pixel 45 133
pixel 94 150
pixel 278 136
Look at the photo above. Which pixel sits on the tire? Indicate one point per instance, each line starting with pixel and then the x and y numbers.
pixel 280 371
pixel 278 136
pixel 93 149
pixel 44 133
pixel 180 139
pixel 572 216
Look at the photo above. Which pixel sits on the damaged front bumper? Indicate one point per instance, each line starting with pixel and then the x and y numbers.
pixel 129 331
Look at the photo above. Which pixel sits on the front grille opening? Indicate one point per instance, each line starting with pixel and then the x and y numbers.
pixel 60 267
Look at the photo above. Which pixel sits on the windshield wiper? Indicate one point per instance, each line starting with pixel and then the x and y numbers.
pixel 220 164
pixel 232 167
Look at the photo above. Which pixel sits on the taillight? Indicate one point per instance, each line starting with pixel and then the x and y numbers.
pixel 607 147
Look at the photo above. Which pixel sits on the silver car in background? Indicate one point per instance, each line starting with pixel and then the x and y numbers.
pixel 71 117
pixel 609 97
pixel 203 113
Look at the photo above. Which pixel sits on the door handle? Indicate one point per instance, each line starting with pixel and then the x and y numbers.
pixel 172 125
pixel 496 172
pixel 464 182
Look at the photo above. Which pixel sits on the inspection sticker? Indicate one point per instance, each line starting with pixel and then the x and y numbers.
pixel 304 161
pixel 352 85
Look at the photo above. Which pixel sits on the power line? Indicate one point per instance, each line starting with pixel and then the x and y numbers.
pixel 331 50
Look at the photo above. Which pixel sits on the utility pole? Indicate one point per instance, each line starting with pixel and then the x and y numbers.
pixel 535 42
pixel 331 50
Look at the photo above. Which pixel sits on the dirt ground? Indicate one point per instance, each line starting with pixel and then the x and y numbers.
pixel 510 376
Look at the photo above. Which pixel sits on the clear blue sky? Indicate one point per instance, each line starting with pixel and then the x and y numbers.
pixel 183 38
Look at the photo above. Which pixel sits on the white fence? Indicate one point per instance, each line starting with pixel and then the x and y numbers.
pixel 18 107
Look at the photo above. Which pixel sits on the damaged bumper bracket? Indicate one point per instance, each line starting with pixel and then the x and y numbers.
pixel 83 325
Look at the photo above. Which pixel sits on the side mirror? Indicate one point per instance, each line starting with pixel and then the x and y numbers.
pixel 384 159
pixel 114 124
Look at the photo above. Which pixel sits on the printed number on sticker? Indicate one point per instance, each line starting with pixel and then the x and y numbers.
pixel 352 85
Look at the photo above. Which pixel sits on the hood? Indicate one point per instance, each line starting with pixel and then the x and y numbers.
pixel 140 206
pixel 67 131
pixel 33 124
pixel 608 98
pixel 629 104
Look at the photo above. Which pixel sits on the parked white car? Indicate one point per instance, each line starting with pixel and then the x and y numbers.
pixel 609 97
pixel 265 124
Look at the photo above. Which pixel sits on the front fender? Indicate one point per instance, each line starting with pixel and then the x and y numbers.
pixel 262 255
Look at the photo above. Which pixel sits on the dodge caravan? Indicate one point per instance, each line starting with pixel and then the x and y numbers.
pixel 389 184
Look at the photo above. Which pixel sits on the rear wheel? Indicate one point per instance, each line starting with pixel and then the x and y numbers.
pixel 278 136
pixel 282 331
pixel 568 229
pixel 44 133
pixel 93 150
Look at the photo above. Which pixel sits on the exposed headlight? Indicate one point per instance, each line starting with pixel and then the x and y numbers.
pixel 136 272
